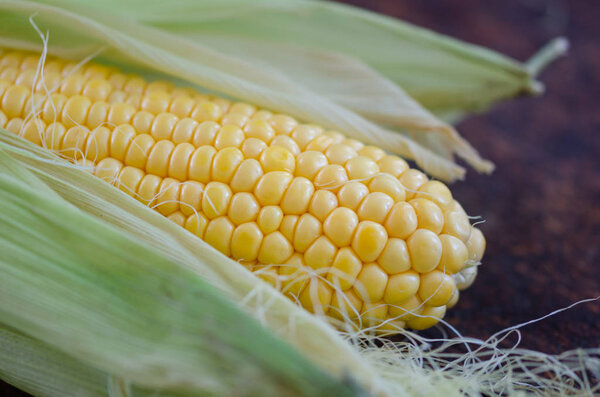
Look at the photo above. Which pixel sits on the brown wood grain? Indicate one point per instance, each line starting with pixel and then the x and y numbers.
pixel 542 205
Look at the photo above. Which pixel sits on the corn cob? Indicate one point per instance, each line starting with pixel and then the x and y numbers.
pixel 343 228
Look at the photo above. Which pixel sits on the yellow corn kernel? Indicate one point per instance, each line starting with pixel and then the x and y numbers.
pixel 304 134
pixel 339 153
pixel 243 208
pixel 259 129
pixel 394 258
pixel 352 194
pixel 225 162
pixel 298 196
pixel 345 268
pixel 184 130
pixel 272 186
pixel 182 106
pixel 402 220
pixel 392 165
pixel 218 234
pixel 283 124
pixel 320 254
pixel 246 242
pixel 229 136
pixel 277 158
pixel 372 152
pixel 331 177
pixel 361 168
pixel 429 215
pixel 205 133
pixel 401 287
pixel 215 199
pixel 54 135
pixel 120 113
pixel 436 288
pixel 412 180
pixel 163 125
pixel 14 100
pixel 33 131
pixel 108 169
pixel 51 109
pixel 269 218
pixel 375 207
pixel 180 158
pixel 167 198
pixel 340 225
pixel 454 254
pixel 235 119
pixel 373 314
pixel 253 148
pixel 190 197
pixel 389 185
pixel 437 192
pixel 196 224
pixel 14 125
pixel 247 175
pixel 97 89
pixel 288 226
pixel 408 309
pixel 158 158
pixel 97 114
pixel 425 249
pixel 476 245
pixel 457 224
pixel 371 283
pixel 275 249
pixel 137 154
pixel 199 168
pixel 156 102
pixel 308 230
pixel 287 143
pixel 322 203
pixel 430 316
pixel 369 241
pixel 129 180
pixel 73 143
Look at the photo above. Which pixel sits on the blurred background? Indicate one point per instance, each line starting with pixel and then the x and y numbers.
pixel 542 204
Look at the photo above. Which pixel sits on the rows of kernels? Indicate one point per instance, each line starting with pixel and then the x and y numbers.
pixel 260 188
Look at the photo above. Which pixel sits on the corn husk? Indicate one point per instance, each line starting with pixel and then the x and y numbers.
pixel 443 74
pixel 78 32
pixel 89 289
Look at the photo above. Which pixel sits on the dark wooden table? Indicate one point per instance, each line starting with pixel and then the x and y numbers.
pixel 542 205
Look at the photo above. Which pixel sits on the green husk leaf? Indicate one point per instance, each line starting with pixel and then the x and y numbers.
pixel 306 332
pixel 443 74
pixel 41 370
pixel 110 300
pixel 79 32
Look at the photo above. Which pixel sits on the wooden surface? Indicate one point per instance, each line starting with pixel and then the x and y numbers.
pixel 542 205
